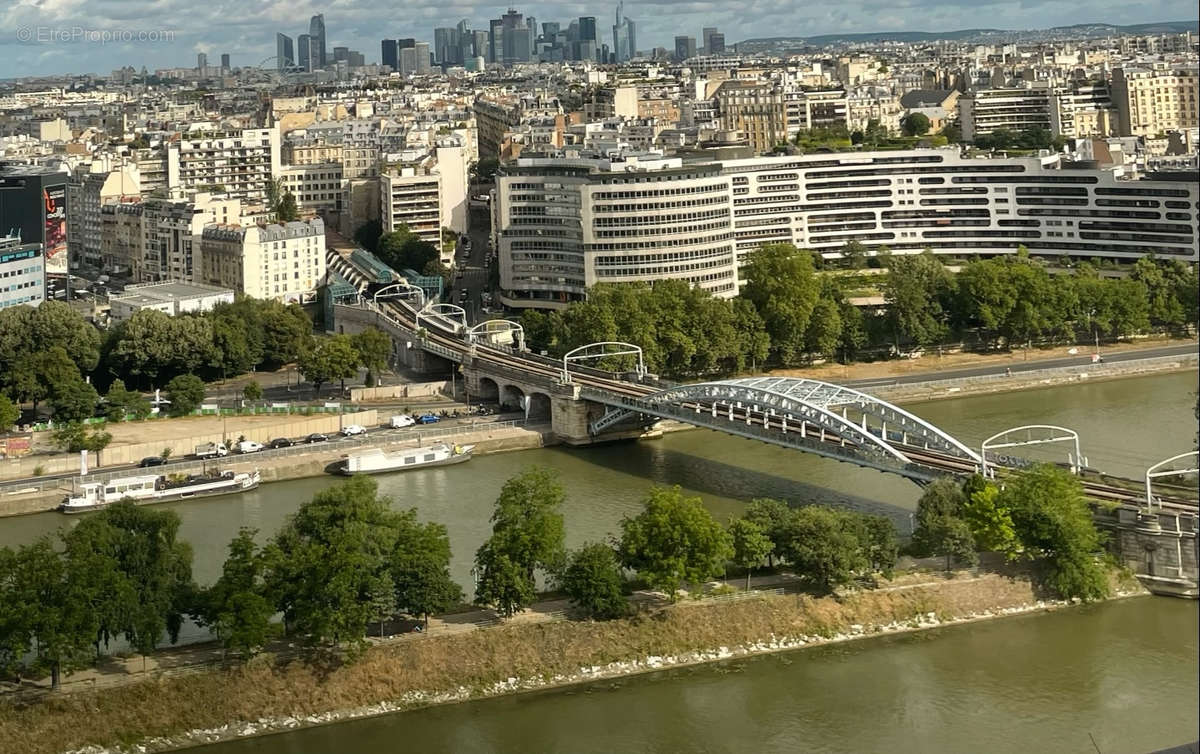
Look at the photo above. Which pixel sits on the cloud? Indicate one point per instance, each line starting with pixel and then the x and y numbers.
pixel 67 36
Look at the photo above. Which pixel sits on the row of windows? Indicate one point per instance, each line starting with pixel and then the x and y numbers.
pixel 652 206
pixel 707 188
pixel 601 222
pixel 675 256
pixel 712 239
pixel 673 269
pixel 668 230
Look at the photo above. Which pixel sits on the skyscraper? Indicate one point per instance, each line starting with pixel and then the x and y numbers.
pixel 705 34
pixel 316 30
pixel 201 62
pixel 445 45
pixel 341 53
pixel 421 57
pixel 285 55
pixel 389 54
pixel 624 36
pixel 716 44
pixel 685 47
pixel 225 67
pixel 587 28
pixel 303 48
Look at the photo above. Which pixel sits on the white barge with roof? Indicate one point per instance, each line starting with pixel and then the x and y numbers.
pixel 147 489
pixel 378 461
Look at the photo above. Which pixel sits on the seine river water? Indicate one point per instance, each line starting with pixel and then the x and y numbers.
pixel 1124 672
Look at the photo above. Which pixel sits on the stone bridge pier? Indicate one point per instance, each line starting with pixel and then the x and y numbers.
pixel 1159 547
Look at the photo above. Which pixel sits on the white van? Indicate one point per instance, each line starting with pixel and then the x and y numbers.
pixel 402 420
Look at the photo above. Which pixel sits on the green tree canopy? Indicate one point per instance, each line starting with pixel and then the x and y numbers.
pixel 186 393
pixel 674 541
pixel 121 402
pixel 420 568
pixel 782 285
pixel 593 582
pixel 236 607
pixel 915 124
pixel 374 348
pixel 822 545
pixel 940 527
pixel 917 292
pixel 333 358
pixel 1054 523
pixel 751 546
pixel 10 413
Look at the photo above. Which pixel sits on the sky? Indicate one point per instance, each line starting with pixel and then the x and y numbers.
pixel 96 36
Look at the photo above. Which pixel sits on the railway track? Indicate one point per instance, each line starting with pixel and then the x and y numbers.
pixel 446 336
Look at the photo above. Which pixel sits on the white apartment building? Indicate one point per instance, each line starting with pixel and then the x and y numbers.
pixel 1085 110
pixel 316 186
pixel 985 111
pixel 412 196
pixel 240 163
pixel 810 108
pixel 283 262
pixel 169 298
pixel 563 225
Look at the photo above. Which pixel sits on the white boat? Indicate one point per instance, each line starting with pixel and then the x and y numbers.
pixel 147 489
pixel 377 460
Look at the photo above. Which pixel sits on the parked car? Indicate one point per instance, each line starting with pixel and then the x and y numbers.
pixel 350 430
pixel 249 446
pixel 149 461
pixel 280 442
pixel 316 437
pixel 428 419
pixel 401 420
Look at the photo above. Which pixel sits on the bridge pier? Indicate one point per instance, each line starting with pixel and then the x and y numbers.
pixel 1160 548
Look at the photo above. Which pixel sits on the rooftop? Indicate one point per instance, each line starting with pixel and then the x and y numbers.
pixel 157 293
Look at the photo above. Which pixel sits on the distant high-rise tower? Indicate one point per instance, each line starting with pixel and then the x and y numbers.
pixel 285 55
pixel 225 67
pixel 624 36
pixel 389 54
pixel 303 50
pixel 316 30
pixel 716 44
pixel 705 34
pixel 201 62
pixel 685 47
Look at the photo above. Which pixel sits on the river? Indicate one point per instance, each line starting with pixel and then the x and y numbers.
pixel 1125 672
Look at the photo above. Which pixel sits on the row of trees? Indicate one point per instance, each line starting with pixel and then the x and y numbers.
pixel 346 561
pixel 1038 515
pixel 672 543
pixel 52 355
pixel 790 313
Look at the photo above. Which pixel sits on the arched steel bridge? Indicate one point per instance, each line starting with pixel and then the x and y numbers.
pixel 809 415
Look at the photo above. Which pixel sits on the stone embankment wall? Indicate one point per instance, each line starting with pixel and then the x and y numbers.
pixel 406 390
pixel 999 382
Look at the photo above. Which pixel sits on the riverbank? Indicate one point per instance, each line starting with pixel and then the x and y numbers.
pixel 266 695
pixel 316 460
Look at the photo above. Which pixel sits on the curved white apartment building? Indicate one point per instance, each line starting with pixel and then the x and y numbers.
pixel 563 225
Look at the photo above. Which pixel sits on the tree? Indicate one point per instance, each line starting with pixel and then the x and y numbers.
pixel 367 235
pixel 142 348
pixel 824 334
pixel 877 536
pixel 1054 523
pixel 768 515
pixel 333 358
pixel 10 414
pixel 915 124
pixel 287 333
pixel 593 582
pixel 527 533
pixel 42 612
pixel 750 545
pixel 374 348
pixel 329 565
pixel 940 529
pixel 236 606
pixel 917 292
pixel 253 391
pixel 139 574
pixel 74 401
pixel 420 568
pixel 75 436
pixel 288 211
pixel 990 523
pixel 822 546
pixel 855 255
pixel 186 393
pixel 120 402
pixel 782 285
pixel 674 541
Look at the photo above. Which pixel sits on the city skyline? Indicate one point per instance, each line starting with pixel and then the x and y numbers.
pixel 71 39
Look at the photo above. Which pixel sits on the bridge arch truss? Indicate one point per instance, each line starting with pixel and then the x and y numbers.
pixel 811 415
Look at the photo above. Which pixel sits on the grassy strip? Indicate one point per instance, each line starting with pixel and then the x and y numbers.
pixel 477 661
